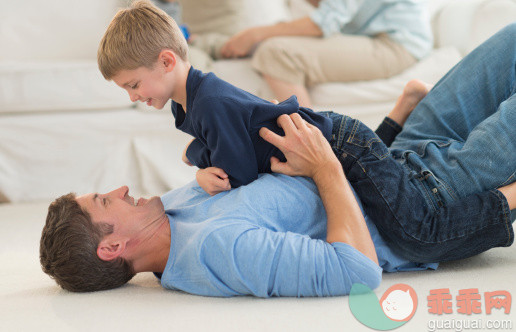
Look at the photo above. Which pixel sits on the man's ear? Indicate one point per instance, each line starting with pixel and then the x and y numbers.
pixel 168 59
pixel 108 251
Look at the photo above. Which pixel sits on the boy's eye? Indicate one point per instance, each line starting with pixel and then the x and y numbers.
pixel 134 86
pixel 104 201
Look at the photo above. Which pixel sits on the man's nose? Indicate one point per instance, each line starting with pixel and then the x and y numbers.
pixel 133 96
pixel 120 192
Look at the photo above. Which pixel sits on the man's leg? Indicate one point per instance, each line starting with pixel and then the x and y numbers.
pixel 463 131
pixel 407 207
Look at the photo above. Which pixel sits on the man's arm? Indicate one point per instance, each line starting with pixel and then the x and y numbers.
pixel 308 153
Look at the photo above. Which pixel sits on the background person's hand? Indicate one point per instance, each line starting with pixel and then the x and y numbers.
pixel 241 44
pixel 213 180
pixel 306 149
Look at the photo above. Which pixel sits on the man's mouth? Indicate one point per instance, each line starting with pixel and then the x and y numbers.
pixel 141 201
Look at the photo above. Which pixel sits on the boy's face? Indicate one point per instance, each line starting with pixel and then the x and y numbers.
pixel 149 86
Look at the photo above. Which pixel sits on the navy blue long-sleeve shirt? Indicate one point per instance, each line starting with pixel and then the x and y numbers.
pixel 226 121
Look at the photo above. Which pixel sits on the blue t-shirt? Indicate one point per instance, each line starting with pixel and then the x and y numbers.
pixel 265 239
pixel 226 121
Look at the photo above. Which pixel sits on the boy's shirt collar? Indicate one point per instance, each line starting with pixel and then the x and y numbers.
pixel 193 81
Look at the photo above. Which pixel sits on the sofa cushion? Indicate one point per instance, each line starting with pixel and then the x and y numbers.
pixel 430 69
pixel 57 86
pixel 53 29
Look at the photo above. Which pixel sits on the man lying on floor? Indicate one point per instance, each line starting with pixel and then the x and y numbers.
pixel 278 236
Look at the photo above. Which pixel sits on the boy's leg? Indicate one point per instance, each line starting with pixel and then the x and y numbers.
pixel 413 92
pixel 462 132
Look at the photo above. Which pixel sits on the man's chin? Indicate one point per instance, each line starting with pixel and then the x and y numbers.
pixel 155 201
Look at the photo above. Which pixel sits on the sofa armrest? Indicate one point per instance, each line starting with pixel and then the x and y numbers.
pixel 465 24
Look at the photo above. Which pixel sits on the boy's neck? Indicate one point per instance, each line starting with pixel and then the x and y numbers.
pixel 179 94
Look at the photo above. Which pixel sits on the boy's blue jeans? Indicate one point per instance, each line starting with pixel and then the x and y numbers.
pixel 429 194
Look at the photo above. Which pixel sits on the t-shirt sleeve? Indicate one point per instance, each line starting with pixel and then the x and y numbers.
pixel 198 154
pixel 265 263
pixel 332 15
pixel 225 129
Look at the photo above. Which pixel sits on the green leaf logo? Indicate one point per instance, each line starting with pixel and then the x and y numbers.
pixel 396 307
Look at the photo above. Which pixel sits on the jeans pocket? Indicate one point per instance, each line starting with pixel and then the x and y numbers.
pixel 437 192
pixel 363 137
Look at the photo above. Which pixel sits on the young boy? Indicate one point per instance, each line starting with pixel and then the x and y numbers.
pixel 145 53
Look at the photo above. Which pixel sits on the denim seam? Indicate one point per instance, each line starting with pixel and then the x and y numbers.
pixel 342 129
pixel 351 140
pixel 393 124
pixel 445 186
pixel 427 195
pixel 506 213
pixel 509 180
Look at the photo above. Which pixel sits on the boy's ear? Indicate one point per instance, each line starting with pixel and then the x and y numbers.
pixel 109 250
pixel 167 58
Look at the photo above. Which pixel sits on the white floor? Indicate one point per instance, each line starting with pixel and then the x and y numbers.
pixel 30 301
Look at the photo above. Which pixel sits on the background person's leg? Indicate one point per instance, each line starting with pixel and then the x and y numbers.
pixel 303 61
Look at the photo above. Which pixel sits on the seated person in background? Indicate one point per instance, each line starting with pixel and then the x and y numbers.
pixel 341 41
pixel 224 120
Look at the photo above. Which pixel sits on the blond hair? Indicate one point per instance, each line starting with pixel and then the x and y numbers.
pixel 136 36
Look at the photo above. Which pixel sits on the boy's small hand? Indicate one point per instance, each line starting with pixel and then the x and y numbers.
pixel 213 180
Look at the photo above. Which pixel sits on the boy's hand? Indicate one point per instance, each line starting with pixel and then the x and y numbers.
pixel 213 180
pixel 185 159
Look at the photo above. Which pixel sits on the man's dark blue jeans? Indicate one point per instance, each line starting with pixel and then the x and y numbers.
pixel 406 205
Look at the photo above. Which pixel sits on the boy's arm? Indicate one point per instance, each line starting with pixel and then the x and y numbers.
pixel 196 153
pixel 225 130
pixel 184 157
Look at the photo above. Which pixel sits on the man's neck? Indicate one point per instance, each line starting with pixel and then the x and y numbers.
pixel 154 249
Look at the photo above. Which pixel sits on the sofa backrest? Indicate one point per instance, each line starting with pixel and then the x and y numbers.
pixel 53 29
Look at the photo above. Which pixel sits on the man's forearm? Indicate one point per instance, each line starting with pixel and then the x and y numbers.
pixel 300 27
pixel 346 222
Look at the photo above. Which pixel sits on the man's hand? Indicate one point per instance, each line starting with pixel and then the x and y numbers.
pixel 213 180
pixel 306 149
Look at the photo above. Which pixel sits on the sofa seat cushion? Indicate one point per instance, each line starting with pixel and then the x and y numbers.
pixel 328 95
pixel 57 86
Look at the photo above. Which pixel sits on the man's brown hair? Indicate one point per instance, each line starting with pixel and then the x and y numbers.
pixel 68 250
pixel 136 36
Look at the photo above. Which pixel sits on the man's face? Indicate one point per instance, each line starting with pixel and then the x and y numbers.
pixel 146 85
pixel 128 216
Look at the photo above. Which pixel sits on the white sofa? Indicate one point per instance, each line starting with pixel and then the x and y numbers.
pixel 63 128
